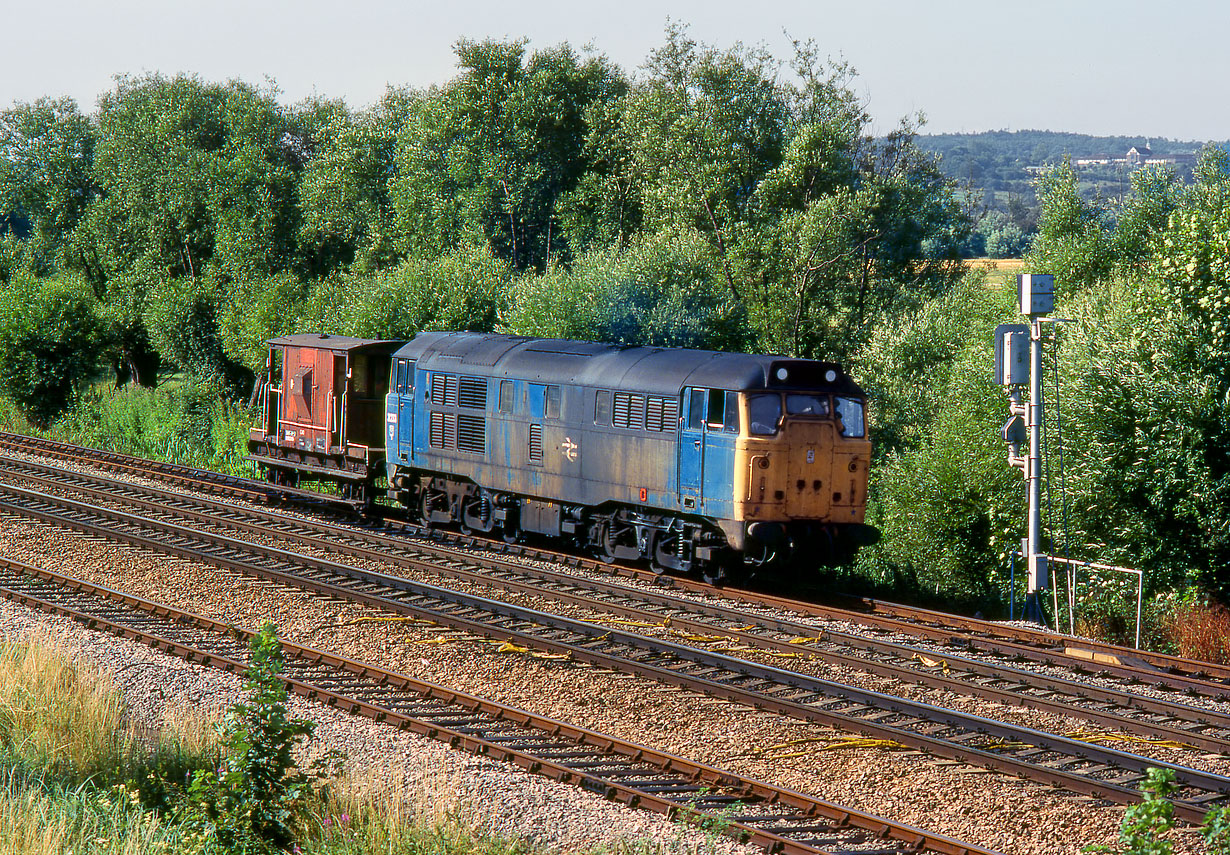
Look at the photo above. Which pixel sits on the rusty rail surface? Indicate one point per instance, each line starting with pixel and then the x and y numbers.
pixel 777 819
pixel 1078 766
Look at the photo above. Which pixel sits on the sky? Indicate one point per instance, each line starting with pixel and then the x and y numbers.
pixel 1130 68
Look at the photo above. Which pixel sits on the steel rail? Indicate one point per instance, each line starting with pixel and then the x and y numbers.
pixel 1035 755
pixel 941 627
pixel 777 819
pixel 1198 727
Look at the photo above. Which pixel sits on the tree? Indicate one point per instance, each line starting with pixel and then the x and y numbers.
pixel 195 182
pixel 457 291
pixel 346 212
pixel 487 157
pixel 848 230
pixel 1144 215
pixel 51 339
pixel 46 162
pixel 708 126
pixel 666 290
pixel 1074 240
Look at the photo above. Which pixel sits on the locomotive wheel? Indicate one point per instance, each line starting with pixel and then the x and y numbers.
pixel 605 545
pixel 510 532
pixel 424 508
pixel 662 560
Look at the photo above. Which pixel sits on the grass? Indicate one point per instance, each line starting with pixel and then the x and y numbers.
pixel 76 777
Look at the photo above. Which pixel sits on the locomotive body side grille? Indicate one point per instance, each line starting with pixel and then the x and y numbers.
pixel 535 443
pixel 471 434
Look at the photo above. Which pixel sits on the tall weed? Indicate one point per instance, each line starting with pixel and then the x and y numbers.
pixel 187 423
pixel 1201 631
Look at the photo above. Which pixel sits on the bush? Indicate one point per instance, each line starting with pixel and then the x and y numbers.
pixel 667 290
pixel 252 802
pixel 942 494
pixel 181 422
pixel 457 291
pixel 51 340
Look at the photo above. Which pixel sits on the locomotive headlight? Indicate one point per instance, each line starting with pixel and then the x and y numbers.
pixel 830 375
pixel 782 373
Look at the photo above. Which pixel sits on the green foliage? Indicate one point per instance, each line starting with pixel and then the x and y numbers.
pixel 666 290
pixel 51 339
pixel 709 125
pixel 1143 823
pixel 1216 831
pixel 256 310
pixel 344 200
pixel 253 802
pixel 487 157
pixel 192 173
pixel 1074 239
pixel 183 423
pixel 181 315
pixel 46 158
pixel 942 495
pixel 456 291
pixel 1144 215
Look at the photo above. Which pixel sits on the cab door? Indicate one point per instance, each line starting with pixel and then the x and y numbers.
pixel 692 450
pixel 405 409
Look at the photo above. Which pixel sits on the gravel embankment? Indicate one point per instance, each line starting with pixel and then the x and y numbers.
pixel 993 811
pixel 439 781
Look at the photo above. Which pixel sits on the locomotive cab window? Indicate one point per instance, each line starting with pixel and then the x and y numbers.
pixel 763 411
pixel 807 405
pixel 723 411
pixel 506 396
pixel 696 409
pixel 850 412
pixel 554 399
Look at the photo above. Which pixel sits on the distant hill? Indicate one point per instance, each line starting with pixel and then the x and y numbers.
pixel 995 162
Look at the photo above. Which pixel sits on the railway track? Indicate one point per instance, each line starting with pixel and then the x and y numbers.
pixel 777 819
pixel 954 632
pixel 1118 709
pixel 1077 766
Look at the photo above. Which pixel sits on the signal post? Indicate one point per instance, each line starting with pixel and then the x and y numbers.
pixel 1018 363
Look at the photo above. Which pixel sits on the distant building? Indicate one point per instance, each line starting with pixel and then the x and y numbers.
pixel 1137 156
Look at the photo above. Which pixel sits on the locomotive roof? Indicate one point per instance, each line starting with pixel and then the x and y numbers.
pixel 324 341
pixel 656 370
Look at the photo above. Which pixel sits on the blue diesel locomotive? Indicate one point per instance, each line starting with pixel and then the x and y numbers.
pixel 690 460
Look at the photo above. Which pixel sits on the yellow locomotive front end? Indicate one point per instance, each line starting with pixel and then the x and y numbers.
pixel 801 470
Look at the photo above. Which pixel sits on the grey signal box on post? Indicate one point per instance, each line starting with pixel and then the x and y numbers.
pixel 1035 293
pixel 1011 354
